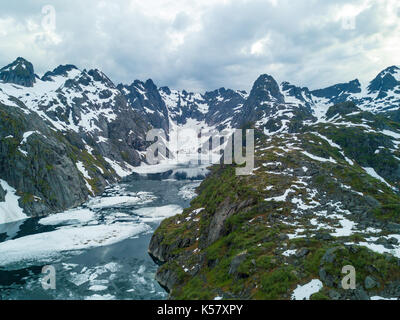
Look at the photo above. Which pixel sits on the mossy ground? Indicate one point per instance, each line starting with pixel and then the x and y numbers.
pixel 260 230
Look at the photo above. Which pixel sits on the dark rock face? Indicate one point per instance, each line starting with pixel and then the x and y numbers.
pixel 86 121
pixel 2 194
pixel 266 89
pixel 41 168
pixel 224 104
pixel 301 94
pixel 61 70
pixel 218 226
pixel 370 283
pixel 19 72
pixel 339 92
pixel 341 109
pixel 145 98
pixel 384 82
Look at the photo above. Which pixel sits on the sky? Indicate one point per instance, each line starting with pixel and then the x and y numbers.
pixel 201 45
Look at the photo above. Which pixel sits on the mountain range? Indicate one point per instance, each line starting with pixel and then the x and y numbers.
pixel 324 192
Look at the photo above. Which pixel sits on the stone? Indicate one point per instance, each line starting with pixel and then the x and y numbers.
pixel 283 237
pixel 236 261
pixel 2 194
pixel 360 294
pixel 302 252
pixel 329 255
pixel 334 295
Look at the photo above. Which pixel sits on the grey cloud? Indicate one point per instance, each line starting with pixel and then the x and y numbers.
pixel 307 45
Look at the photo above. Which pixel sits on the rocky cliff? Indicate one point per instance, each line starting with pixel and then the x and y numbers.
pixel 324 194
pixel 65 136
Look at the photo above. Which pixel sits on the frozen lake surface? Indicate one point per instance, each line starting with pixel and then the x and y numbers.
pixel 99 251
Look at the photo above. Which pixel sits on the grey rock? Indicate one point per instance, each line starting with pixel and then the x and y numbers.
pixel 323 236
pixel 19 72
pixel 334 295
pixel 326 278
pixel 302 252
pixel 370 283
pixel 225 210
pixel 236 261
pixel 2 194
pixel 359 294
pixel 283 237
pixel 393 227
pixel 330 255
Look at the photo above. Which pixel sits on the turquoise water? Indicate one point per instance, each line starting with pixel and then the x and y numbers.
pixel 120 270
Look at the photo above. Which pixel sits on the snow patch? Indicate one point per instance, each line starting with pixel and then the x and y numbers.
pixel 306 291
pixel 10 211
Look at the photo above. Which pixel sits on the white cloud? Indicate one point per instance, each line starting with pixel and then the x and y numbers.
pixel 206 44
pixel 260 46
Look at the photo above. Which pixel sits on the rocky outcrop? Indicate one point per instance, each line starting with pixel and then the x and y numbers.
pixel 67 141
pixel 2 194
pixel 42 165
pixel 341 109
pixel 19 72
pixel 59 71
pixel 339 92
pixel 310 207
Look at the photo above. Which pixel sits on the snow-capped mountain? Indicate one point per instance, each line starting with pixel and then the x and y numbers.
pixel 105 125
pixel 100 135
pixel 324 194
pixel 325 186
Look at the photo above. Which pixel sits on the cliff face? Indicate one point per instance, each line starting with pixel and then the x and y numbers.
pixel 324 194
pixel 42 165
pixel 64 137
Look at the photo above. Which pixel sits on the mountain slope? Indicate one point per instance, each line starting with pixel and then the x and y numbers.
pixel 65 136
pixel 324 194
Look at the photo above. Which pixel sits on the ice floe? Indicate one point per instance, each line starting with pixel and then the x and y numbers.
pixel 49 245
pixel 153 214
pixel 74 216
pixel 139 198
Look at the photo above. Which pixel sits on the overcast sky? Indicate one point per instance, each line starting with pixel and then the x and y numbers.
pixel 206 44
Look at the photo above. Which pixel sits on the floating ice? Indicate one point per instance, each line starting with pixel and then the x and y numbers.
pixel 153 214
pixel 74 216
pixel 47 246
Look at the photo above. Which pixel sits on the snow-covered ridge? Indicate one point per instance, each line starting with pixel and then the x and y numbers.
pixel 90 93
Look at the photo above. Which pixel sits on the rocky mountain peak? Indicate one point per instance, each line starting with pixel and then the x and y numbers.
pixel 149 84
pixel 99 76
pixel 19 72
pixel 385 81
pixel 353 86
pixel 339 92
pixel 267 89
pixel 301 94
pixel 61 70
pixel 166 90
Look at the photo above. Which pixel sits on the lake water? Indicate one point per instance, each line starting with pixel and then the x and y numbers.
pixel 98 251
